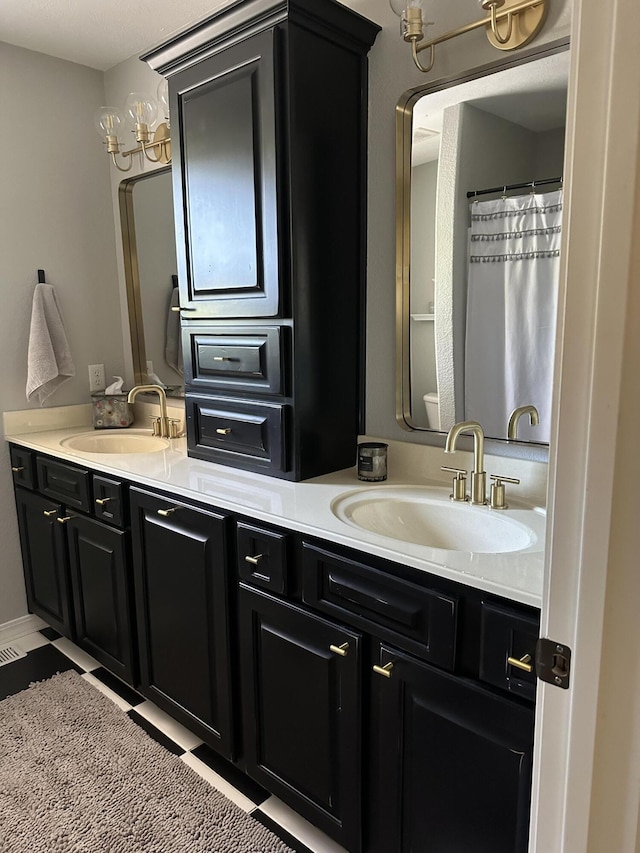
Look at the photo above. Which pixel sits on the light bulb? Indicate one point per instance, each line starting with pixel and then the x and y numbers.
pixel 400 6
pixel 108 121
pixel 140 109
pixel 163 98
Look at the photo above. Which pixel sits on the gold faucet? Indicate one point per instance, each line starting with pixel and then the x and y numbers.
pixel 162 426
pixel 478 475
pixel 516 414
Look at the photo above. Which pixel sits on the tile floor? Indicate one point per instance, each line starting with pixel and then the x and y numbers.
pixel 47 653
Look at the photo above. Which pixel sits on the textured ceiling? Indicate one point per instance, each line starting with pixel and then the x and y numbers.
pixel 98 33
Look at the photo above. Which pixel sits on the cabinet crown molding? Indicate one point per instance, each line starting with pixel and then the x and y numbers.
pixel 248 17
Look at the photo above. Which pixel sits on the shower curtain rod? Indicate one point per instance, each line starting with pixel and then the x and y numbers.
pixel 505 188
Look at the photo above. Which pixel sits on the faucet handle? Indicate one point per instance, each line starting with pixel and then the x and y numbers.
pixel 498 493
pixel 459 483
pixel 174 428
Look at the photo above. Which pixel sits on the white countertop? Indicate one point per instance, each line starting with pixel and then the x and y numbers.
pixel 306 508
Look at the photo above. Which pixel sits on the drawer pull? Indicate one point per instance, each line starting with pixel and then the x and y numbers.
pixel 376 600
pixel 221 358
pixel 176 308
pixel 253 560
pixel 17 469
pixel 223 431
pixel 50 512
pixel 64 519
pixel 384 670
pixel 165 512
pixel 340 650
pixel 521 663
pixel 102 501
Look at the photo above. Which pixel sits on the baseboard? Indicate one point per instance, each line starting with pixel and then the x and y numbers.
pixel 20 628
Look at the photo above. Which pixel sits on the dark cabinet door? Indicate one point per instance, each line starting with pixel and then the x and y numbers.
pixel 451 763
pixel 44 558
pixel 102 593
pixel 181 586
pixel 225 182
pixel 301 708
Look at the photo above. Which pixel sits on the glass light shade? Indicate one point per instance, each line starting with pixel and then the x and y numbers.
pixel 163 99
pixel 108 121
pixel 140 109
pixel 399 6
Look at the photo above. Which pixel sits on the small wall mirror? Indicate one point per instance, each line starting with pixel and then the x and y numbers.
pixel 479 207
pixel 148 236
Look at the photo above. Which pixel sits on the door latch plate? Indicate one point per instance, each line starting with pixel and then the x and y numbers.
pixel 553 662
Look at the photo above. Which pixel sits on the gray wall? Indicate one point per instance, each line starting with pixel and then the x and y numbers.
pixel 54 214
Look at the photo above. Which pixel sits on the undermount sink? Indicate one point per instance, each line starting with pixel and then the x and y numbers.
pixel 115 442
pixel 426 516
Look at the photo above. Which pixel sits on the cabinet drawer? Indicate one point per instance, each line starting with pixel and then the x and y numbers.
pixel 109 500
pixel 243 434
pixel 422 621
pixel 22 467
pixel 262 557
pixel 236 359
pixel 65 483
pixel 508 636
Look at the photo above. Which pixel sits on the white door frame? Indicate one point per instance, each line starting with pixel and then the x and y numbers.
pixel 600 180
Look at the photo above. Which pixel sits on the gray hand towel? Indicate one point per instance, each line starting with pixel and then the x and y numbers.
pixel 49 362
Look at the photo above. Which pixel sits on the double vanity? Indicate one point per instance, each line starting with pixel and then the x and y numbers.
pixel 363 651
pixel 379 685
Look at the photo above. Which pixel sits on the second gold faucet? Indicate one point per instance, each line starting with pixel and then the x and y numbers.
pixel 478 475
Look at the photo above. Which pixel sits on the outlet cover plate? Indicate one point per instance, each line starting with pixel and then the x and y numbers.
pixel 96 378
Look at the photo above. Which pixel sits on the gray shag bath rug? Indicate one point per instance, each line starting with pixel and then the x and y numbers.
pixel 78 776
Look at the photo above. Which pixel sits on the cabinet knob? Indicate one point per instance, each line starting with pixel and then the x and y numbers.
pixel 102 501
pixel 17 468
pixel 253 560
pixel 384 670
pixel 165 512
pixel 50 512
pixel 64 519
pixel 521 663
pixel 340 650
pixel 223 430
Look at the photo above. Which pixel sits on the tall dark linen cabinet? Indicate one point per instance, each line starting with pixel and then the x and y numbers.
pixel 268 125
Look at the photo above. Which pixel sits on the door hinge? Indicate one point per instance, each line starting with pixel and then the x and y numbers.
pixel 553 662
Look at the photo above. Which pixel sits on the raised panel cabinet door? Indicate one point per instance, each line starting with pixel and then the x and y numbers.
pixel 102 593
pixel 225 182
pixel 181 588
pixel 451 763
pixel 44 559
pixel 301 707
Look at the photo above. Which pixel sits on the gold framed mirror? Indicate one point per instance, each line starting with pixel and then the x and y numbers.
pixel 465 149
pixel 148 239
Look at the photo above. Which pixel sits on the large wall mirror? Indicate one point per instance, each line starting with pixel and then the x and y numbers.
pixel 148 235
pixel 479 215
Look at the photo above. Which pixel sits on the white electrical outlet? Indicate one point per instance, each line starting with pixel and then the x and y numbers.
pixel 96 378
